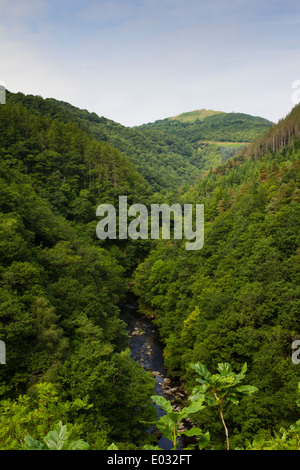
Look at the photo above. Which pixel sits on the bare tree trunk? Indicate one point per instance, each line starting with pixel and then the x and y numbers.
pixel 222 418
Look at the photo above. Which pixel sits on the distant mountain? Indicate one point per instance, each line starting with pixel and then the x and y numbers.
pixel 166 162
pixel 214 126
pixel 174 152
pixel 169 154
pixel 193 115
pixel 214 135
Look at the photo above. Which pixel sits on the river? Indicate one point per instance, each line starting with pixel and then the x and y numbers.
pixel 147 349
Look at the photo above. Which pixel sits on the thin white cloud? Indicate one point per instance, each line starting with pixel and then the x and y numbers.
pixel 135 61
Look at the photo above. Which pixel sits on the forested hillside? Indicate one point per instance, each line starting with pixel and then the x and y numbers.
pixel 168 154
pixel 214 136
pixel 163 162
pixel 223 127
pixel 60 290
pixel 234 301
pixel 237 299
pixel 191 116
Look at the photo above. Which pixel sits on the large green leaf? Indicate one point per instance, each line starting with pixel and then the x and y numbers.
pixel 201 369
pixel 225 369
pixel 150 447
pixel 241 375
pixel 163 403
pixel 197 395
pixel 246 389
pixel 167 426
pixel 192 432
pixel 204 440
pixel 112 447
pixel 78 445
pixel 194 407
pixel 57 438
pixel 33 444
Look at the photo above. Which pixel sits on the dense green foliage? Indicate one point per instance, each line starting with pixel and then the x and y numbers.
pixel 224 127
pixel 58 439
pixel 59 287
pixel 35 413
pixel 214 137
pixel 237 299
pixel 166 153
pixel 215 390
pixel 277 137
pixel 163 162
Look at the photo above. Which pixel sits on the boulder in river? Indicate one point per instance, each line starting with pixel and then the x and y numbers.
pixel 155 373
pixel 137 332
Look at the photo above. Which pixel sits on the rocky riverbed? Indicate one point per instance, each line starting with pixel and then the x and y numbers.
pixel 147 349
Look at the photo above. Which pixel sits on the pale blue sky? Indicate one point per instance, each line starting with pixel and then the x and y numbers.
pixel 135 61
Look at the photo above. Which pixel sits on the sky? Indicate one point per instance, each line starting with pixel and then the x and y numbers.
pixel 136 61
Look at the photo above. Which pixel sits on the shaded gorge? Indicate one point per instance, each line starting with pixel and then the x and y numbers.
pixel 147 349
